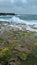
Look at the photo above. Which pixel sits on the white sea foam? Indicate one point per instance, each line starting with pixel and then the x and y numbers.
pixel 3 20
pixel 18 20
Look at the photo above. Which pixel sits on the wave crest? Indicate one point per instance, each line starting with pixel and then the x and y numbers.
pixel 18 20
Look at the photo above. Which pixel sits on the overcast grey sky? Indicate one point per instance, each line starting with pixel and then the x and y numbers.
pixel 19 6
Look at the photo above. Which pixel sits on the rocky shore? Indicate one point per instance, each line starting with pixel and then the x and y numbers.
pixel 17 27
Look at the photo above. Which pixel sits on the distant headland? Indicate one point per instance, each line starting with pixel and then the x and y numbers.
pixel 7 14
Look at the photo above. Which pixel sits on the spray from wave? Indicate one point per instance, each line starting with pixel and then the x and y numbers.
pixel 17 19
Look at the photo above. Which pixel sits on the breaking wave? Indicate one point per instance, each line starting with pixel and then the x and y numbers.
pixel 17 19
pixel 3 20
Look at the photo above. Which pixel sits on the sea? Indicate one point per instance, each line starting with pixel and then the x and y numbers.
pixel 20 18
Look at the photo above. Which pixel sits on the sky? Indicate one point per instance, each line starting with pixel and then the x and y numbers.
pixel 19 6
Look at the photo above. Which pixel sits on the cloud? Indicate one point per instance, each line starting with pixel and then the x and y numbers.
pixel 18 6
pixel 1 0
pixel 24 1
pixel 18 1
pixel 12 1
